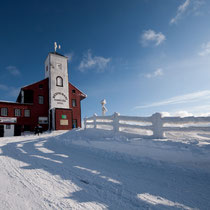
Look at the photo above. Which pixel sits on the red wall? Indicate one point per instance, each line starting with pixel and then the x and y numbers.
pixel 41 110
pixel 78 95
pixel 58 117
pixel 11 112
pixel 36 110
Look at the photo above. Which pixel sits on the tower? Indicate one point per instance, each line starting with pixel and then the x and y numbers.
pixel 56 69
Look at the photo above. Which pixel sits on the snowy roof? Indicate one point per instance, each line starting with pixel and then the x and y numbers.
pixel 2 101
pixel 55 53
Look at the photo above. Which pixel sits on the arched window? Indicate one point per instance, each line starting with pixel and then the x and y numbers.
pixel 59 81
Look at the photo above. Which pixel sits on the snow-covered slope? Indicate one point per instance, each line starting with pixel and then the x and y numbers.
pixel 184 148
pixel 101 170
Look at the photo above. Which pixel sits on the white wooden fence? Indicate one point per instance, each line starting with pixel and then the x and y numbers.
pixel 156 123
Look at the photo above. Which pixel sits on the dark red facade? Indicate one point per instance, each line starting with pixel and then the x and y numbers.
pixel 28 111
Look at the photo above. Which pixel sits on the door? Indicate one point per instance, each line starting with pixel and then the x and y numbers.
pixel 50 123
pixel 1 130
pixel 17 130
pixel 74 124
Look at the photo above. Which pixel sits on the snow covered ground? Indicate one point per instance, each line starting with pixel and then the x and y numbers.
pixel 96 169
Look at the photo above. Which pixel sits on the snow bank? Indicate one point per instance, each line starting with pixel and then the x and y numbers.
pixel 180 147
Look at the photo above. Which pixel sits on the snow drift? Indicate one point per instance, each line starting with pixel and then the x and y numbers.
pixel 177 147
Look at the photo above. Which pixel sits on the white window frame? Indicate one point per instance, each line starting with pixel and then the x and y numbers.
pixel 27 113
pixel 4 111
pixel 43 120
pixel 74 103
pixel 17 112
pixel 8 127
pixel 59 81
pixel 41 99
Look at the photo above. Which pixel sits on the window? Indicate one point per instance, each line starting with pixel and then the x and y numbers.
pixel 43 120
pixel 74 103
pixel 4 111
pixel 59 66
pixel 17 112
pixel 8 126
pixel 27 113
pixel 41 86
pixel 46 68
pixel 73 91
pixel 28 96
pixel 41 99
pixel 59 81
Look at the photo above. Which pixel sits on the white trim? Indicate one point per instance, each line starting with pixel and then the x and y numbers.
pixel 8 119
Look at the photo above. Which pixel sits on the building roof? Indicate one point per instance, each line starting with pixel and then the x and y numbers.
pixel 12 102
pixel 34 83
pixel 83 96
pixel 55 53
pixel 29 86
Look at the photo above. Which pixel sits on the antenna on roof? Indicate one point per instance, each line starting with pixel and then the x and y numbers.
pixel 104 109
pixel 56 46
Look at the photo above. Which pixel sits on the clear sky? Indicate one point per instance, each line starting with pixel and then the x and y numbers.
pixel 142 56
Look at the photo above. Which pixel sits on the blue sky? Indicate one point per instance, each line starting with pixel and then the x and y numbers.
pixel 142 56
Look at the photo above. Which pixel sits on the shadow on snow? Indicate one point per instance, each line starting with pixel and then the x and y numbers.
pixel 112 182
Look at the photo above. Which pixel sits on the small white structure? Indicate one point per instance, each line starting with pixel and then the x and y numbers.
pixel 104 109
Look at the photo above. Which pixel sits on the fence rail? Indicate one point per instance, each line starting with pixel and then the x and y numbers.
pixel 155 123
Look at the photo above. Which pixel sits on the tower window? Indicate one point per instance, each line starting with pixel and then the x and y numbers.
pixel 4 111
pixel 41 99
pixel 59 66
pixel 73 91
pixel 59 81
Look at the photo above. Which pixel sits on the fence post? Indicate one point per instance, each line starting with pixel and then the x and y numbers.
pixel 94 120
pixel 157 125
pixel 85 125
pixel 116 122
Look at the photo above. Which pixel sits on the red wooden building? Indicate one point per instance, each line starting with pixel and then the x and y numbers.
pixel 54 103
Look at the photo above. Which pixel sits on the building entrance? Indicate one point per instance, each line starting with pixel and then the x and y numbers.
pixel 51 120
pixel 17 130
pixel 1 130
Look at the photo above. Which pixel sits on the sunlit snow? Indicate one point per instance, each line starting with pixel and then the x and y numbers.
pixel 98 169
